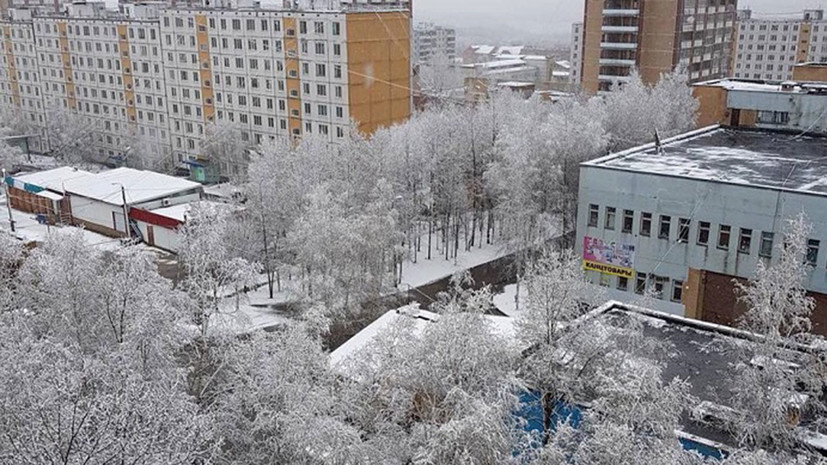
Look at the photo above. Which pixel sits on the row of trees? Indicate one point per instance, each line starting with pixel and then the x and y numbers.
pixel 104 362
pixel 345 217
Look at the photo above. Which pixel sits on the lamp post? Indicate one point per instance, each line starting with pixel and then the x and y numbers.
pixel 8 200
pixel 125 210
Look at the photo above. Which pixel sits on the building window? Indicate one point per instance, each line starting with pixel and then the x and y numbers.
pixel 593 213
pixel 703 233
pixel 812 251
pixel 723 237
pixel 744 240
pixel 665 224
pixel 610 217
pixel 645 224
pixel 640 283
pixel 766 244
pixel 683 230
pixel 677 290
pixel 628 220
pixel 622 283
pixel 660 285
pixel 773 117
pixel 605 279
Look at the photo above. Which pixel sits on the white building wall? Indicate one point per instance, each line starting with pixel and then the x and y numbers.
pixel 753 208
pixel 576 54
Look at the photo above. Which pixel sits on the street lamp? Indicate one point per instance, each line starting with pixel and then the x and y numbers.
pixel 125 210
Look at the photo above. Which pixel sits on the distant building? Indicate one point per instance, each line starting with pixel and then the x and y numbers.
pixel 521 72
pixel 686 218
pixel 759 104
pixel 432 41
pixel 655 37
pixel 576 54
pixel 769 48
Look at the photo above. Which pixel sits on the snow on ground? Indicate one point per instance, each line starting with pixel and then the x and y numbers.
pixel 28 229
pixel 505 301
pixel 247 318
pixel 427 271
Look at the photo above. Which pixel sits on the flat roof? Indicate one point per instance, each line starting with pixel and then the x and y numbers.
pixel 772 159
pixel 182 211
pixel 139 186
pixel 54 179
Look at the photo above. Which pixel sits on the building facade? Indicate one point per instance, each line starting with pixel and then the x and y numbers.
pixel 164 74
pixel 769 48
pixel 433 41
pixel 712 201
pixel 767 105
pixel 576 53
pixel 655 37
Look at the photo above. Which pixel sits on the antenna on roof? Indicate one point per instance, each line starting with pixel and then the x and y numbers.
pixel 658 146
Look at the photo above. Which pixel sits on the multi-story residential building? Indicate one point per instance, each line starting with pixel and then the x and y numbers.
pixel 769 48
pixel 165 74
pixel 432 41
pixel 655 36
pixel 686 217
pixel 576 54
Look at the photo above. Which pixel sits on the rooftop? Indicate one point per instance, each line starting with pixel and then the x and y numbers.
pixel 139 186
pixel 182 211
pixel 54 179
pixel 752 85
pixel 775 160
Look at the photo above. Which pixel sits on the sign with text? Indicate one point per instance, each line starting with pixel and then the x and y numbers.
pixel 611 258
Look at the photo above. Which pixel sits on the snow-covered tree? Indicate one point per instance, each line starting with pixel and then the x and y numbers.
pixel 776 385
pixel 440 76
pixel 147 152
pixel 225 147
pixel 70 137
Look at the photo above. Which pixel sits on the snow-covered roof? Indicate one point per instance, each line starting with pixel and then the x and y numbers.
pixel 55 178
pixel 225 190
pixel 755 158
pixel 182 211
pixel 742 85
pixel 140 186
pixel 343 358
pixel 498 64
pixel 510 50
pixel 516 84
pixel 520 69
pixel 482 49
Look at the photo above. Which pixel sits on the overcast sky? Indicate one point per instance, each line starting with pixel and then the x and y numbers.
pixel 549 17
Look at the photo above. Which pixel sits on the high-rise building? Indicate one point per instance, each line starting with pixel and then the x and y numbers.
pixel 432 41
pixel 576 53
pixel 163 74
pixel 769 48
pixel 655 37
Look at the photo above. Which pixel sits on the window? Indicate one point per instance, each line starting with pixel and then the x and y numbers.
pixel 812 252
pixel 622 283
pixel 665 224
pixel 610 218
pixel 336 30
pixel 640 283
pixel 723 236
pixel 683 230
pixel 660 284
pixel 645 224
pixel 766 244
pixel 703 233
pixel 605 279
pixel 744 240
pixel 677 290
pixel 628 220
pixel 773 117
pixel 593 213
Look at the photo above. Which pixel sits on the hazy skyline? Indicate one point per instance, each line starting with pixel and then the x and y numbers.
pixel 549 19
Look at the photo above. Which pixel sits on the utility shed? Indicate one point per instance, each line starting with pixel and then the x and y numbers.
pixel 42 193
pixel 159 227
pixel 98 203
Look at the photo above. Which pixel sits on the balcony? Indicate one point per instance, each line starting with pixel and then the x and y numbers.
pixel 621 12
pixel 619 29
pixel 618 45
pixel 616 62
pixel 608 78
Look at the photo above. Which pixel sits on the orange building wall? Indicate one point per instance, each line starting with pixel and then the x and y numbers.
pixel 712 108
pixel 590 66
pixel 811 72
pixel 379 68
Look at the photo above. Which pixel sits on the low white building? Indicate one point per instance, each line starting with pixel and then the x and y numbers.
pixel 99 202
pixel 160 227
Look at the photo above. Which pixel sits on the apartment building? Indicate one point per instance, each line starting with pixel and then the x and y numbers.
pixel 576 53
pixel 431 40
pixel 20 81
pixel 166 73
pixel 655 37
pixel 769 48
